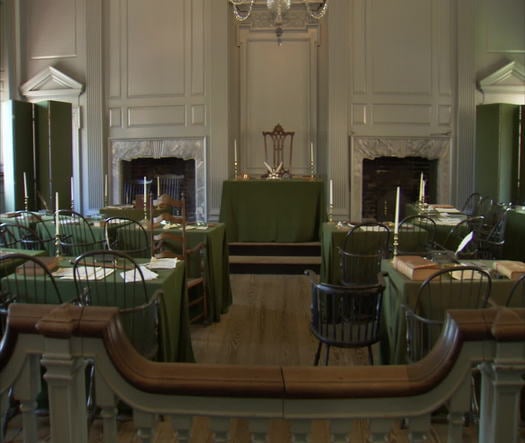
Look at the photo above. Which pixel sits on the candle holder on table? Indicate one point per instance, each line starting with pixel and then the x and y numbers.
pixel 312 169
pixel 58 246
pixel 235 169
pixel 331 212
pixel 395 244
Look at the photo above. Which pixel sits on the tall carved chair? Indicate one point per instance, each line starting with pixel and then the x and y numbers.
pixel 279 144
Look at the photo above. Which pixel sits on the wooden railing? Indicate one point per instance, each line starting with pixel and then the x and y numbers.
pixel 63 338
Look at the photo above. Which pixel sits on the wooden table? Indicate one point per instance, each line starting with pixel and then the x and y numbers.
pixel 402 291
pixel 214 237
pixel 174 333
pixel 287 210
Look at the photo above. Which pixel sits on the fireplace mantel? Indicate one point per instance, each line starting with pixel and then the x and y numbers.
pixel 366 147
pixel 186 148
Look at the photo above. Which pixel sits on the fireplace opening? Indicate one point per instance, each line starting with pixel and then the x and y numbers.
pixel 382 175
pixel 138 168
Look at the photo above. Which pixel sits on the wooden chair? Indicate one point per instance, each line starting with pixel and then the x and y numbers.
pixel 75 233
pixel 113 278
pixel 280 143
pixel 416 235
pixel 127 235
pixel 490 235
pixel 458 232
pixel 346 316
pixel 132 188
pixel 170 184
pixel 361 252
pixel 35 221
pixel 460 287
pixel 174 243
pixel 14 235
pixel 471 206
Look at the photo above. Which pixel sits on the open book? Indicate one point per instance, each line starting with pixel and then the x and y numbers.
pixel 511 269
pixel 415 267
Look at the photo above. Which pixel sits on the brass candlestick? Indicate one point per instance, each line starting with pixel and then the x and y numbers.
pixel 395 243
pixel 331 212
pixel 58 246
pixel 26 203
pixel 312 169
pixel 236 169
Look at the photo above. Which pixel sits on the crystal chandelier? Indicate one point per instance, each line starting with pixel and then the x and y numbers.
pixel 243 8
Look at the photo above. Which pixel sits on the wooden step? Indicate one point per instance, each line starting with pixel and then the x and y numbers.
pixel 275 259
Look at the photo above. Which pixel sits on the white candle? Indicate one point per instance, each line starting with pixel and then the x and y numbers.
pixel 145 191
pixel 57 206
pixel 331 193
pixel 421 187
pixel 235 150
pixel 311 153
pixel 105 187
pixel 158 186
pixel 396 216
pixel 423 193
pixel 72 189
pixel 25 185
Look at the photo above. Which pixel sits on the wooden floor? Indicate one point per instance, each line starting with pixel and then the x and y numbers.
pixel 266 325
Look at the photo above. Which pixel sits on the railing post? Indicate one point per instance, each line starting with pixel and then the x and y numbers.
pixel 26 390
pixel 500 397
pixel 65 377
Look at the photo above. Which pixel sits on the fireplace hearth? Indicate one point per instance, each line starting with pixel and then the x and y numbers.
pixel 152 153
pixel 435 148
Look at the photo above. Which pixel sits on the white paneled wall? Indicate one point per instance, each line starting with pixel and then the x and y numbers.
pixel 401 68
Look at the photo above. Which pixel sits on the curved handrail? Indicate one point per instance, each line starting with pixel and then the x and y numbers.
pixel 499 324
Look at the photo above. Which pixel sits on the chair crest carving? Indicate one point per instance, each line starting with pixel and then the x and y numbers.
pixel 280 142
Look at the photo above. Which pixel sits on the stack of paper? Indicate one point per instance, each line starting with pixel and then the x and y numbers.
pixel 133 275
pixel 162 263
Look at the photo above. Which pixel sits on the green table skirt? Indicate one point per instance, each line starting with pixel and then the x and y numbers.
pixel 174 334
pixel 273 210
pixel 402 291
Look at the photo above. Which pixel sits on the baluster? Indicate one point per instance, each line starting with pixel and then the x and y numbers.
pixel 340 430
pixel 106 401
pixel 300 430
pixel 379 429
pixel 418 428
pixel 65 377
pixel 144 422
pixel 259 430
pixel 458 404
pixel 182 427
pixel 26 388
pixel 220 428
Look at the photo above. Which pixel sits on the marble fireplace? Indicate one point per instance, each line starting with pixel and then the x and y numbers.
pixel 185 148
pixel 368 147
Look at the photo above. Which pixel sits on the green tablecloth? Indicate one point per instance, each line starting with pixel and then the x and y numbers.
pixel 10 267
pixel 273 210
pixel 402 291
pixel 514 247
pixel 175 339
pixel 214 237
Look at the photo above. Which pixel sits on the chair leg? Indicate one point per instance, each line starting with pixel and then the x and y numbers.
pixel 370 356
pixel 318 353
pixel 327 356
